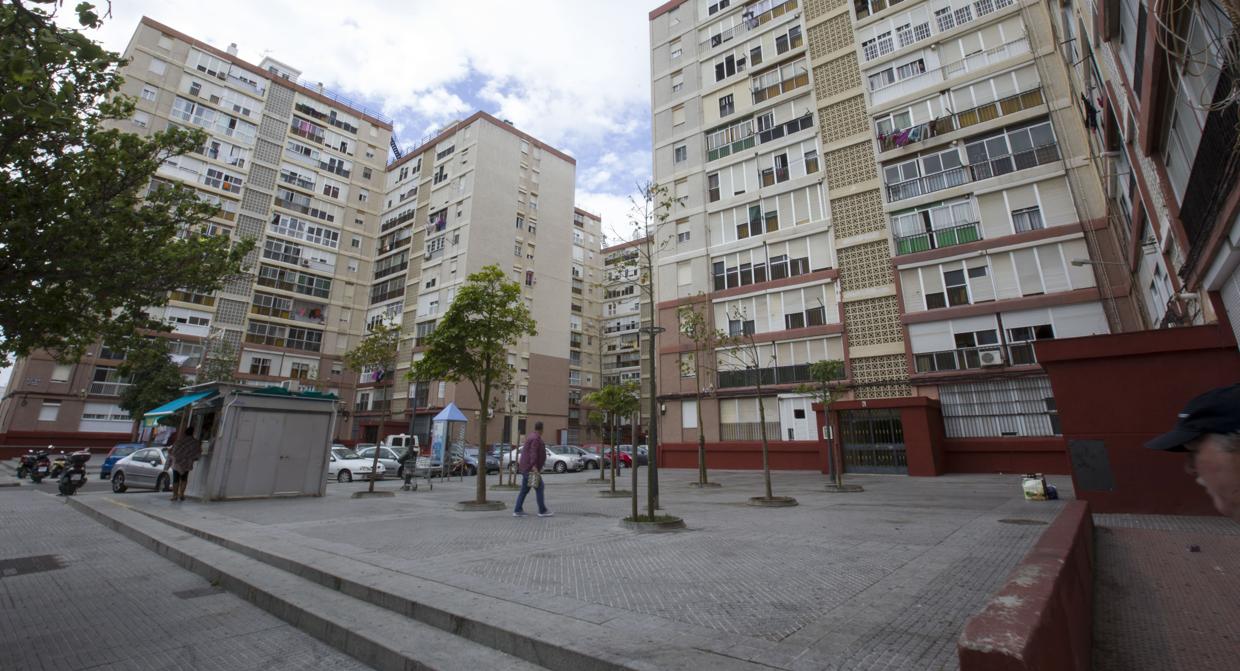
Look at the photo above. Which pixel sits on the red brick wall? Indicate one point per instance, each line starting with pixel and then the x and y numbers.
pixel 1006 455
pixel 803 455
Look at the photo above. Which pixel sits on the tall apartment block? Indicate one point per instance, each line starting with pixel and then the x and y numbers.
pixel 1154 84
pixel 905 187
pixel 298 169
pixel 478 193
pixel 585 349
pixel 624 312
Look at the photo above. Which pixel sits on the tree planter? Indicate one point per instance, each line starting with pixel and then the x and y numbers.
pixel 382 493
pixel 618 494
pixel 773 502
pixel 472 506
pixel 660 523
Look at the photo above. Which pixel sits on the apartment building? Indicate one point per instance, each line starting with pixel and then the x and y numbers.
pixel 482 192
pixel 624 311
pixel 1154 85
pixel 585 340
pixel 905 187
pixel 295 167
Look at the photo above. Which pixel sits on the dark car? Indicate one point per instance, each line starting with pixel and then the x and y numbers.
pixel 118 452
pixel 471 458
pixel 589 460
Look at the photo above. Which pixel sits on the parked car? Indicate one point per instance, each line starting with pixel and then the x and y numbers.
pixel 344 463
pixel 503 453
pixel 389 457
pixel 623 459
pixel 142 468
pixel 118 451
pixel 643 454
pixel 471 458
pixel 589 460
pixel 559 463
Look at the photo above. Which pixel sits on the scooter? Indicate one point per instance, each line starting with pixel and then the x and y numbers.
pixel 59 462
pixel 42 466
pixel 24 466
pixel 74 476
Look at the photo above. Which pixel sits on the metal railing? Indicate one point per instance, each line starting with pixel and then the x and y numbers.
pixel 748 431
pixel 943 237
pixel 774 375
pixel 749 23
pixel 972 358
pixel 963 119
pixel 895 89
pixel 1000 165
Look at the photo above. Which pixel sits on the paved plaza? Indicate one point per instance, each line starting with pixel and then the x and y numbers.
pixel 882 579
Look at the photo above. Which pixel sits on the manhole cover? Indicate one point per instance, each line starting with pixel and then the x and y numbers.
pixel 31 564
pixel 1020 521
pixel 197 592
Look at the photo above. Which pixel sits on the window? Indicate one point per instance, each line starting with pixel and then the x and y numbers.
pixel 880 45
pixel 148 92
pixel 1027 219
pixel 726 105
pixel 944 19
pixel 712 187
pixel 61 372
pixel 678 83
pixel 740 327
pixel 729 66
pixel 157 66
pixel 260 366
pixel 675 49
pixel 688 413
pixel 717 6
pixel 755 55
pixel 141 119
pixel 811 161
pixel 678 115
pixel 299 370
pixel 957 288
pixel 680 154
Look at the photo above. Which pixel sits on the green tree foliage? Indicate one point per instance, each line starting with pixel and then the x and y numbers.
pixel 743 351
pixel 219 362
pixel 376 351
pixel 153 378
pixel 615 401
pixel 85 250
pixel 486 319
pixel 825 386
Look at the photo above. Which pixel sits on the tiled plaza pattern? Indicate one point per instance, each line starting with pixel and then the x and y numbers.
pixel 1163 605
pixel 878 580
pixel 115 605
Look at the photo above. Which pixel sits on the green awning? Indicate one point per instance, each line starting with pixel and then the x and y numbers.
pixel 152 416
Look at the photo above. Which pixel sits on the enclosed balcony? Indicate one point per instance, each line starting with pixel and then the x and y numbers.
pixel 893 138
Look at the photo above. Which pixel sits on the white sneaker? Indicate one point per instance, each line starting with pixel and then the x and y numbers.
pixel 546 514
pixel 518 513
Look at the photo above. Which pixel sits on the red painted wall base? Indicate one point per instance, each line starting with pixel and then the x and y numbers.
pixel 801 455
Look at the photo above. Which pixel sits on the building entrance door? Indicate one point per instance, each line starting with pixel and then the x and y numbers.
pixel 873 441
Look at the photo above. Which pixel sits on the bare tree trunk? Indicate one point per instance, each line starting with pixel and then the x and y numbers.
pixel 634 496
pixel 612 417
pixel 766 465
pixel 480 491
pixel 374 464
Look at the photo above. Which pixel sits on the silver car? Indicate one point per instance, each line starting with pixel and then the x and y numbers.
pixel 142 468
pixel 388 456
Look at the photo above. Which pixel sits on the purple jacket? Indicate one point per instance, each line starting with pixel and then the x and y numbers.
pixel 533 454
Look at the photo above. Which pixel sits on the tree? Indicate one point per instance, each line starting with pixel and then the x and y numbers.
pixel 86 249
pixel 377 352
pixel 219 362
pixel 153 378
pixel 471 342
pixel 651 210
pixel 617 400
pixel 695 326
pixel 825 387
pixel 743 350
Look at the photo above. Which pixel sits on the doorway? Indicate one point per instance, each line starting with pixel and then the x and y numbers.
pixel 873 441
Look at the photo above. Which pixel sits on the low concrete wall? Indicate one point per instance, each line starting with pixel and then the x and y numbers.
pixel 1042 618
pixel 787 455
pixel 1006 455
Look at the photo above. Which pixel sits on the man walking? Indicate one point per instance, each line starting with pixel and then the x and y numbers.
pixel 1208 429
pixel 182 456
pixel 530 465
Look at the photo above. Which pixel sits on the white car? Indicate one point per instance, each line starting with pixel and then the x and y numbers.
pixel 344 464
pixel 555 462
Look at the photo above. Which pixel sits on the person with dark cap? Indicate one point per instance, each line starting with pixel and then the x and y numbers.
pixel 1208 429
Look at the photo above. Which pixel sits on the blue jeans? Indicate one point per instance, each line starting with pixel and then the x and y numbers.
pixel 525 489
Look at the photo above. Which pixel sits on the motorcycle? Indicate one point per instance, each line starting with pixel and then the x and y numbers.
pixel 24 466
pixel 59 462
pixel 74 476
pixel 42 466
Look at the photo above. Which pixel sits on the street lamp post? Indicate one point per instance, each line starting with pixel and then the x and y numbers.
pixel 652 470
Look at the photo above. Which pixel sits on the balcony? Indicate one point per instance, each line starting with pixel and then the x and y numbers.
pixel 306 109
pixel 754 16
pixel 780 130
pixel 336 168
pixel 799 78
pixel 946 124
pixel 975 358
pixel 793 374
pixel 297 180
pixel 1000 165
pixel 945 237
pixel 108 388
pixel 884 92
pixel 748 431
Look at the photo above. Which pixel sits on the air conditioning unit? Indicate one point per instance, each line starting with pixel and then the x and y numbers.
pixel 990 357
pixel 291 385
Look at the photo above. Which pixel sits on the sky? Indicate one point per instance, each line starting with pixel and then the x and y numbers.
pixel 572 73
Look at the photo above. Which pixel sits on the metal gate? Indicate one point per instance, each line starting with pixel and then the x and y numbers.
pixel 873 441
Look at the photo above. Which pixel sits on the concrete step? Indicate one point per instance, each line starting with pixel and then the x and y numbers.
pixel 375 635
pixel 587 638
